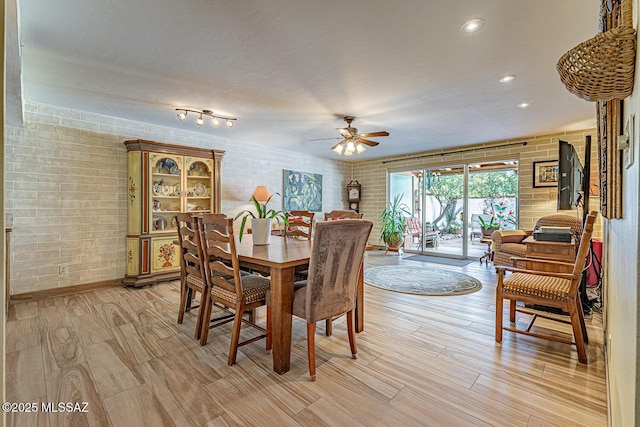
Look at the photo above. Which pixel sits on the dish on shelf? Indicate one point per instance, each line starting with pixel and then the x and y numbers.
pixel 176 190
pixel 156 205
pixel 172 167
pixel 161 189
pixel 200 190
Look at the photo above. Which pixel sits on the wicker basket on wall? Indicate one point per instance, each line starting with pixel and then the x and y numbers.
pixel 602 68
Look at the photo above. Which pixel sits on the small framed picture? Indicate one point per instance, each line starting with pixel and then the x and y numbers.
pixel 545 174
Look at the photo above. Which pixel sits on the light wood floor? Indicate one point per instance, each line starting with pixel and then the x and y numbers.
pixel 423 361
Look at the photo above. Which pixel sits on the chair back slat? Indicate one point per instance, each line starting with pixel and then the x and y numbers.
pixel 341 214
pixel 336 258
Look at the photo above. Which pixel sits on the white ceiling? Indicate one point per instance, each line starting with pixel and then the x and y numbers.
pixel 289 69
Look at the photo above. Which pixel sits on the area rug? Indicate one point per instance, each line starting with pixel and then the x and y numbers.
pixel 421 280
pixel 439 260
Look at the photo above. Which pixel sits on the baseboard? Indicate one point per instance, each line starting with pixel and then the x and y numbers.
pixel 58 292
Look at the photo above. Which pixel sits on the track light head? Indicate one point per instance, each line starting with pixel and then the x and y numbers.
pixel 182 115
pixel 216 121
pixel 199 120
pixel 229 123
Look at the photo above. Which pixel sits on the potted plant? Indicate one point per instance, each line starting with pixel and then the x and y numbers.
pixel 488 227
pixel 394 222
pixel 261 222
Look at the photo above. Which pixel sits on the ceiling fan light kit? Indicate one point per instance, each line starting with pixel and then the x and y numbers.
pixel 183 112
pixel 352 141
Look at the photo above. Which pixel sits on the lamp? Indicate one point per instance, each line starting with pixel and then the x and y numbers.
pixel 261 194
pixel 182 113
pixel 348 147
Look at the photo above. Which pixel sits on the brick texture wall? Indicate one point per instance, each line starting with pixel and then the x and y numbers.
pixel 534 202
pixel 66 183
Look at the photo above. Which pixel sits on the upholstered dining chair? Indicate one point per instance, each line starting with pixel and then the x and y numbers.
pixel 341 214
pixel 330 216
pixel 550 284
pixel 226 286
pixel 192 271
pixel 336 257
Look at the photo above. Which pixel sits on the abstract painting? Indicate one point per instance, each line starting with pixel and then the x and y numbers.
pixel 302 191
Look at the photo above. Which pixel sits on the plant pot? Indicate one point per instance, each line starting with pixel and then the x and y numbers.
pixel 394 241
pixel 261 230
pixel 487 232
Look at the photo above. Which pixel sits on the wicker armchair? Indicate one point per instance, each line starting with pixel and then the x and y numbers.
pixel 508 243
pixel 535 286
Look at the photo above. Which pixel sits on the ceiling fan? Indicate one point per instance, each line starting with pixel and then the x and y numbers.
pixel 352 141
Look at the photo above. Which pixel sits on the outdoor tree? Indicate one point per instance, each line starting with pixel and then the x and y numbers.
pixel 447 190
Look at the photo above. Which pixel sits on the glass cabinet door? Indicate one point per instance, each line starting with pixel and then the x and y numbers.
pixel 165 191
pixel 199 185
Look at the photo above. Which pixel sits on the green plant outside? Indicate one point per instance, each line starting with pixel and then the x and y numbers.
pixel 393 220
pixel 262 212
pixel 491 224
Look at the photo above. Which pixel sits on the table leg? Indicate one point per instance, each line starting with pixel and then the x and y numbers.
pixel 487 255
pixel 359 315
pixel 281 309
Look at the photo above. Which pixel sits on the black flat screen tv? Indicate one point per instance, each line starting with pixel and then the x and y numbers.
pixel 569 177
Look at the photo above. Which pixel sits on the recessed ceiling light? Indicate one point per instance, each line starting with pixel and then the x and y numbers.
pixel 507 79
pixel 472 26
pixel 524 104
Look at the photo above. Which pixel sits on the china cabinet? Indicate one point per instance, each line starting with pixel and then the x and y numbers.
pixel 163 180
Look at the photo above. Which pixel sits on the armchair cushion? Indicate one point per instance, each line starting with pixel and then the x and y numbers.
pixel 516 236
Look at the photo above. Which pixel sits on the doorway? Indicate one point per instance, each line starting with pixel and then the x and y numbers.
pixel 446 203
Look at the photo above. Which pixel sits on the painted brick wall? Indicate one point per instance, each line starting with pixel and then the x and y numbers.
pixel 66 182
pixel 534 202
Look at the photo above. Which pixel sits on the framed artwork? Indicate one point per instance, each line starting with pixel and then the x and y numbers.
pixel 545 174
pixel 302 191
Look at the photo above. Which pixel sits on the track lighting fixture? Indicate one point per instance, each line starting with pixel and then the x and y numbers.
pixel 183 112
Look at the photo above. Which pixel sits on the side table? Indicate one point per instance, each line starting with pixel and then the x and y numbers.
pixel 488 254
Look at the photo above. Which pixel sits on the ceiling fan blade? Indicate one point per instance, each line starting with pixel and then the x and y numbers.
pixel 345 132
pixel 372 134
pixel 367 142
pixel 338 143
pixel 321 139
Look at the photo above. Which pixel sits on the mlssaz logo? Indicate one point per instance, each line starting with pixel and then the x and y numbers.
pixel 65 407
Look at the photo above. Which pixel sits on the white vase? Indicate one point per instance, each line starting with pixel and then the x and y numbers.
pixel 261 230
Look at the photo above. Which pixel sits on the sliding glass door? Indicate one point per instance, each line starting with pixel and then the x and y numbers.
pixel 446 203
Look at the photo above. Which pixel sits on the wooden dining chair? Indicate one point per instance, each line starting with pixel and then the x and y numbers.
pixel 341 214
pixel 226 286
pixel 546 283
pixel 336 258
pixel 300 224
pixel 192 270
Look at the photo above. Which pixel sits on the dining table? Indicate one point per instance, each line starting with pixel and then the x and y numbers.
pixel 279 259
